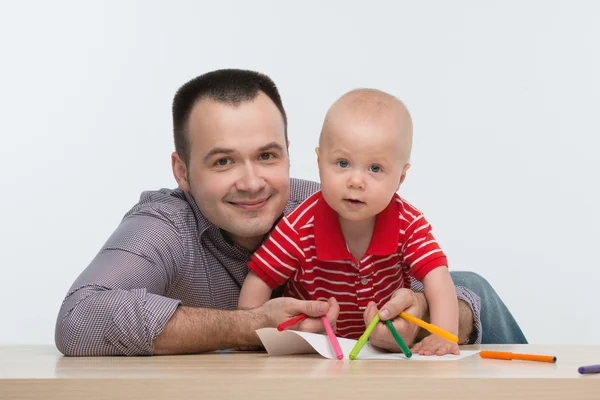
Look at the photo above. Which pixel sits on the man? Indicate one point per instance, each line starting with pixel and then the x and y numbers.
pixel 168 279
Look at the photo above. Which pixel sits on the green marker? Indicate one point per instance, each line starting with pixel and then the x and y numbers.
pixel 364 337
pixel 399 339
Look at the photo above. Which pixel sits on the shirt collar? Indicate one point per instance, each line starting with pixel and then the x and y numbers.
pixel 201 221
pixel 329 239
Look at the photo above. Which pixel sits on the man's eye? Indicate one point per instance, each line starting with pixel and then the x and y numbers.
pixel 375 168
pixel 267 156
pixel 343 163
pixel 221 162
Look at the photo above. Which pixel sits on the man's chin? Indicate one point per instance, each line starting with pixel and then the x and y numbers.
pixel 249 236
pixel 250 229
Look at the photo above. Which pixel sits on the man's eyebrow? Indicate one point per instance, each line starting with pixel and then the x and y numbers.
pixel 271 146
pixel 216 150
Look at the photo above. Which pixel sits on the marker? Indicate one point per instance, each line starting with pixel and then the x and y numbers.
pixel 335 345
pixel 364 337
pixel 589 369
pixel 429 327
pixel 399 339
pixel 291 322
pixel 505 355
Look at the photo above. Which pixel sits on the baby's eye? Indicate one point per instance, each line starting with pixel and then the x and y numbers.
pixel 343 163
pixel 375 168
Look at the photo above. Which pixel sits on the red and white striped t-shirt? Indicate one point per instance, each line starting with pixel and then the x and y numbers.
pixel 307 249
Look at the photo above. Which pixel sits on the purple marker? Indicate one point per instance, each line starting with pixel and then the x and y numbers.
pixel 589 369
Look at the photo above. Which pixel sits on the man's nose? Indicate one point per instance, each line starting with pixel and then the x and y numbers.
pixel 251 181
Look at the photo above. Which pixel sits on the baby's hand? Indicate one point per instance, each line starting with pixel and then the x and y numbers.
pixel 435 345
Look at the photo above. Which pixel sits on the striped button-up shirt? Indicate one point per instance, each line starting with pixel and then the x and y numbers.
pixel 307 250
pixel 163 254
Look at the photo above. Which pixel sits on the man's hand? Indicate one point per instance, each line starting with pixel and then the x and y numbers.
pixel 283 308
pixel 402 300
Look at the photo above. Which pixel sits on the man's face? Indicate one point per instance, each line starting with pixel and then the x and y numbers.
pixel 238 171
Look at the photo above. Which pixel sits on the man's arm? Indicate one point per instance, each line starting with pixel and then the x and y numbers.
pixel 117 305
pixel 465 322
pixel 195 330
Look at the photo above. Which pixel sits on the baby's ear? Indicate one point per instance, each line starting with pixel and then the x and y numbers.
pixel 317 151
pixel 403 176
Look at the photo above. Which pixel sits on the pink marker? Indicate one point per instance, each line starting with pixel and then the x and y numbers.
pixel 335 345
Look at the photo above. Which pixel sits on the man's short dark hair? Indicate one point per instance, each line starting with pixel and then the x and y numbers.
pixel 230 86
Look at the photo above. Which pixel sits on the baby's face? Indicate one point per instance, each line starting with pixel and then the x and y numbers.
pixel 361 164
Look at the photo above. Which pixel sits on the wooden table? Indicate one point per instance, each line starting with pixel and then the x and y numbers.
pixel 30 372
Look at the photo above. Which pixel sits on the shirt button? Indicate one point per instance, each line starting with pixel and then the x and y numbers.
pixel 364 281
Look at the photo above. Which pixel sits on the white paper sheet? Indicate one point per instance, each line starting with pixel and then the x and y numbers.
pixel 294 342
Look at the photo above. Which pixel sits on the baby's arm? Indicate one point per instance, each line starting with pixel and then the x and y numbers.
pixel 443 312
pixel 255 292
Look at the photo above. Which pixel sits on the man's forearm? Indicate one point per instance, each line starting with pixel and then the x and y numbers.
pixel 197 330
pixel 465 322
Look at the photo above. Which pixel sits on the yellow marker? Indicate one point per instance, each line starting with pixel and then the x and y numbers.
pixel 429 327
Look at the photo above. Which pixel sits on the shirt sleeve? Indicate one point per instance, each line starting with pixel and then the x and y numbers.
pixel 117 306
pixel 279 256
pixel 472 300
pixel 421 251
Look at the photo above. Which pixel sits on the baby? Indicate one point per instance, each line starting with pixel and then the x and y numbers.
pixel 356 239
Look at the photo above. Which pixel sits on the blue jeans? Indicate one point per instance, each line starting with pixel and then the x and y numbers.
pixel 498 324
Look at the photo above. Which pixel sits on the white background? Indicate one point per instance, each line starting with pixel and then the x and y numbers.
pixel 505 98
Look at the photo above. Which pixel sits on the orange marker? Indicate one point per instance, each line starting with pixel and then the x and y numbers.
pixel 505 355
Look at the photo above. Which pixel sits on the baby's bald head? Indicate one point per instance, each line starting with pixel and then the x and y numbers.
pixel 371 107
